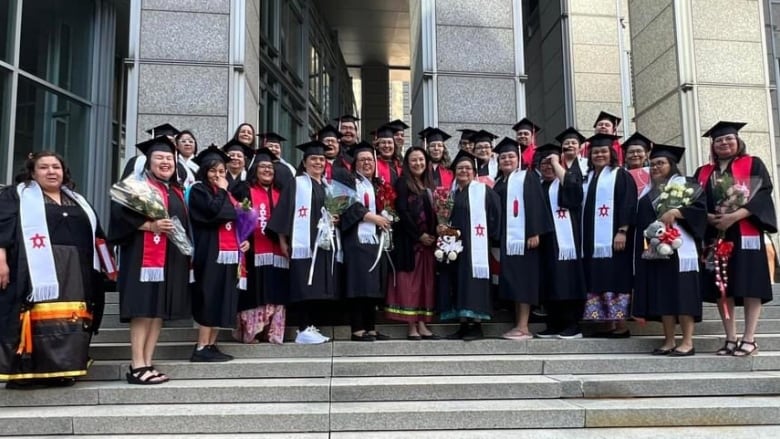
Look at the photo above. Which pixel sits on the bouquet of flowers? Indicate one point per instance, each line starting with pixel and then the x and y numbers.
pixel 338 197
pixel 385 205
pixel 139 197
pixel 246 220
pixel 661 241
pixel 442 204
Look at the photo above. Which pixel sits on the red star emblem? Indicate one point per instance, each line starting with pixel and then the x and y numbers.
pixel 38 241
pixel 480 229
pixel 561 212
pixel 604 210
pixel 302 211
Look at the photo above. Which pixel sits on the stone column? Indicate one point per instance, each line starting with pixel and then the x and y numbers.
pixel 375 91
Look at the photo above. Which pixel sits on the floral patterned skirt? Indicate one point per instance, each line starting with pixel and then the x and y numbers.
pixel 607 306
pixel 266 322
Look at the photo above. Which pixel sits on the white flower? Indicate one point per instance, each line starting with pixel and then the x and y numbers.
pixel 689 191
pixel 664 195
pixel 686 201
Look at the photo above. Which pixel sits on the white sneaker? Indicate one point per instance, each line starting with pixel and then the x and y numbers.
pixel 310 335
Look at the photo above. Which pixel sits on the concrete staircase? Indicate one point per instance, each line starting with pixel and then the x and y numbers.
pixel 492 388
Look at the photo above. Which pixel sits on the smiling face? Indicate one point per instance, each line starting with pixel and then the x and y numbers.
pixel 386 147
pixel 464 172
pixel 275 148
pixel 48 173
pixel 571 148
pixel 365 163
pixel 161 165
pixel 605 126
pixel 398 138
pixel 314 165
pixel 436 151
pixel 508 162
pixel 417 163
pixel 600 156
pixel 348 132
pixel 660 168
pixel 332 147
pixel 186 145
pixel 523 137
pixel 546 169
pixel 246 134
pixel 636 156
pixel 725 147
pixel 215 173
pixel 237 161
pixel 265 173
pixel 483 150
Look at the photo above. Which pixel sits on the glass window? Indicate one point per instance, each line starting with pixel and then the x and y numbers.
pixel 49 121
pixel 325 104
pixel 268 24
pixel 314 74
pixel 290 35
pixel 4 83
pixel 6 29
pixel 56 42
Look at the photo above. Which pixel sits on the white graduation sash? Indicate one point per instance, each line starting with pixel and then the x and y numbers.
pixel 480 268
pixel 515 213
pixel 603 212
pixel 564 229
pixel 366 230
pixel 302 214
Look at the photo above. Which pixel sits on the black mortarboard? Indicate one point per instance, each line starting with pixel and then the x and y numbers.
pixel 328 131
pixel 466 134
pixel 610 117
pixel 602 139
pixel 507 145
pixel 464 155
pixel 526 124
pixel 637 139
pixel 547 149
pixel 315 147
pixel 722 128
pixel 159 143
pixel 264 154
pixel 359 147
pixel 383 132
pixel 673 153
pixel 346 118
pixel 235 145
pixel 165 129
pixel 270 136
pixel 211 153
pixel 397 125
pixel 570 133
pixel 432 134
pixel 483 136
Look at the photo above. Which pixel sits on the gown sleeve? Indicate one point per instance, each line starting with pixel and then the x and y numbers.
pixel 281 219
pixel 406 221
pixel 537 221
pixel 207 207
pixel 352 216
pixel 493 208
pixel 9 216
pixel 282 175
pixel 695 214
pixel 626 196
pixel 570 195
pixel 761 205
pixel 123 223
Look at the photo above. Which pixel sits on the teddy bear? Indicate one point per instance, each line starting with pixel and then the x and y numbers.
pixel 661 241
pixel 448 245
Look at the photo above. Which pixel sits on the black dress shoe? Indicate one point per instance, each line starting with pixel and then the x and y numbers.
pixel 363 337
pixel 624 334
pixel 414 337
pixel 473 333
pixel 660 351
pixel 381 337
pixel 431 337
pixel 458 335
pixel 690 352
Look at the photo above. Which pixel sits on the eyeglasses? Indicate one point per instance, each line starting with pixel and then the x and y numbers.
pixel 635 152
pixel 659 164
pixel 464 168
pixel 366 160
pixel 266 167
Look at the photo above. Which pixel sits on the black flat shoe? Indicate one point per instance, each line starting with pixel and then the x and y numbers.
pixel 414 337
pixel 624 334
pixel 381 337
pixel 364 337
pixel 473 333
pixel 661 351
pixel 689 353
pixel 431 337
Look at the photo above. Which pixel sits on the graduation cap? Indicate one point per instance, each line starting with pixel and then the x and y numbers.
pixel 346 118
pixel 637 139
pixel 432 134
pixel 270 136
pixel 607 116
pixel 464 155
pixel 159 143
pixel 263 154
pixel 722 128
pixel 570 133
pixel 483 136
pixel 235 145
pixel 507 145
pixel 383 132
pixel 315 147
pixel 547 149
pixel 673 153
pixel 328 131
pixel 211 153
pixel 526 124
pixel 165 129
pixel 466 134
pixel 602 139
pixel 397 125
pixel 361 147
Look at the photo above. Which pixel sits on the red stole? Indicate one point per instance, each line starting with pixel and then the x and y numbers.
pixel 267 252
pixel 156 244
pixel 740 170
pixel 528 155
pixel 227 238
pixel 445 176
pixel 383 169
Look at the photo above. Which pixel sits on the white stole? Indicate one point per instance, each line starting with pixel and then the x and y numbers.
pixel 564 229
pixel 603 212
pixel 302 213
pixel 479 231
pixel 515 213
pixel 366 230
pixel 191 168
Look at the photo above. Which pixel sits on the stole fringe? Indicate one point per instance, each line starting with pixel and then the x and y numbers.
pixel 567 254
pixel 689 264
pixel 604 251
pixel 242 283
pixel 45 292
pixel 264 259
pixel 227 257
pixel 515 248
pixel 301 253
pixel 480 271
pixel 751 242
pixel 368 239
pixel 281 262
pixel 152 274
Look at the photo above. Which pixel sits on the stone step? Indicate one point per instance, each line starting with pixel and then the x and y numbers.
pixel 189 436
pixel 698 432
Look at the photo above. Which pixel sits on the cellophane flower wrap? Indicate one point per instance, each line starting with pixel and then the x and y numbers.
pixel 246 220
pixel 660 240
pixel 442 204
pixel 139 197
pixel 385 205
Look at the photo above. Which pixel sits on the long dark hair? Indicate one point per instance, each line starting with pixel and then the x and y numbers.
pixel 203 170
pixel 25 174
pixel 254 133
pixel 426 177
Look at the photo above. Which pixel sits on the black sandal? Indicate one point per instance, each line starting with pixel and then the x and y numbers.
pixel 742 352
pixel 134 376
pixel 727 349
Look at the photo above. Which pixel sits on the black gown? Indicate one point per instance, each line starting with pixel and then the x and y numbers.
pixel 359 257
pixel 748 271
pixel 519 277
pixel 324 284
pixel 215 292
pixel 169 299
pixel 282 175
pixel 660 289
pixel 460 295
pixel 60 347
pixel 563 280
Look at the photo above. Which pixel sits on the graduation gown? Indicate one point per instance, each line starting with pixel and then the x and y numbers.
pixel 283 173
pixel 215 292
pixel 60 349
pixel 459 293
pixel 748 270
pixel 266 285
pixel 406 232
pixel 233 181
pixel 359 257
pixel 563 280
pixel 442 177
pixel 659 287
pixel 518 279
pixel 324 282
pixel 613 274
pixel 169 299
